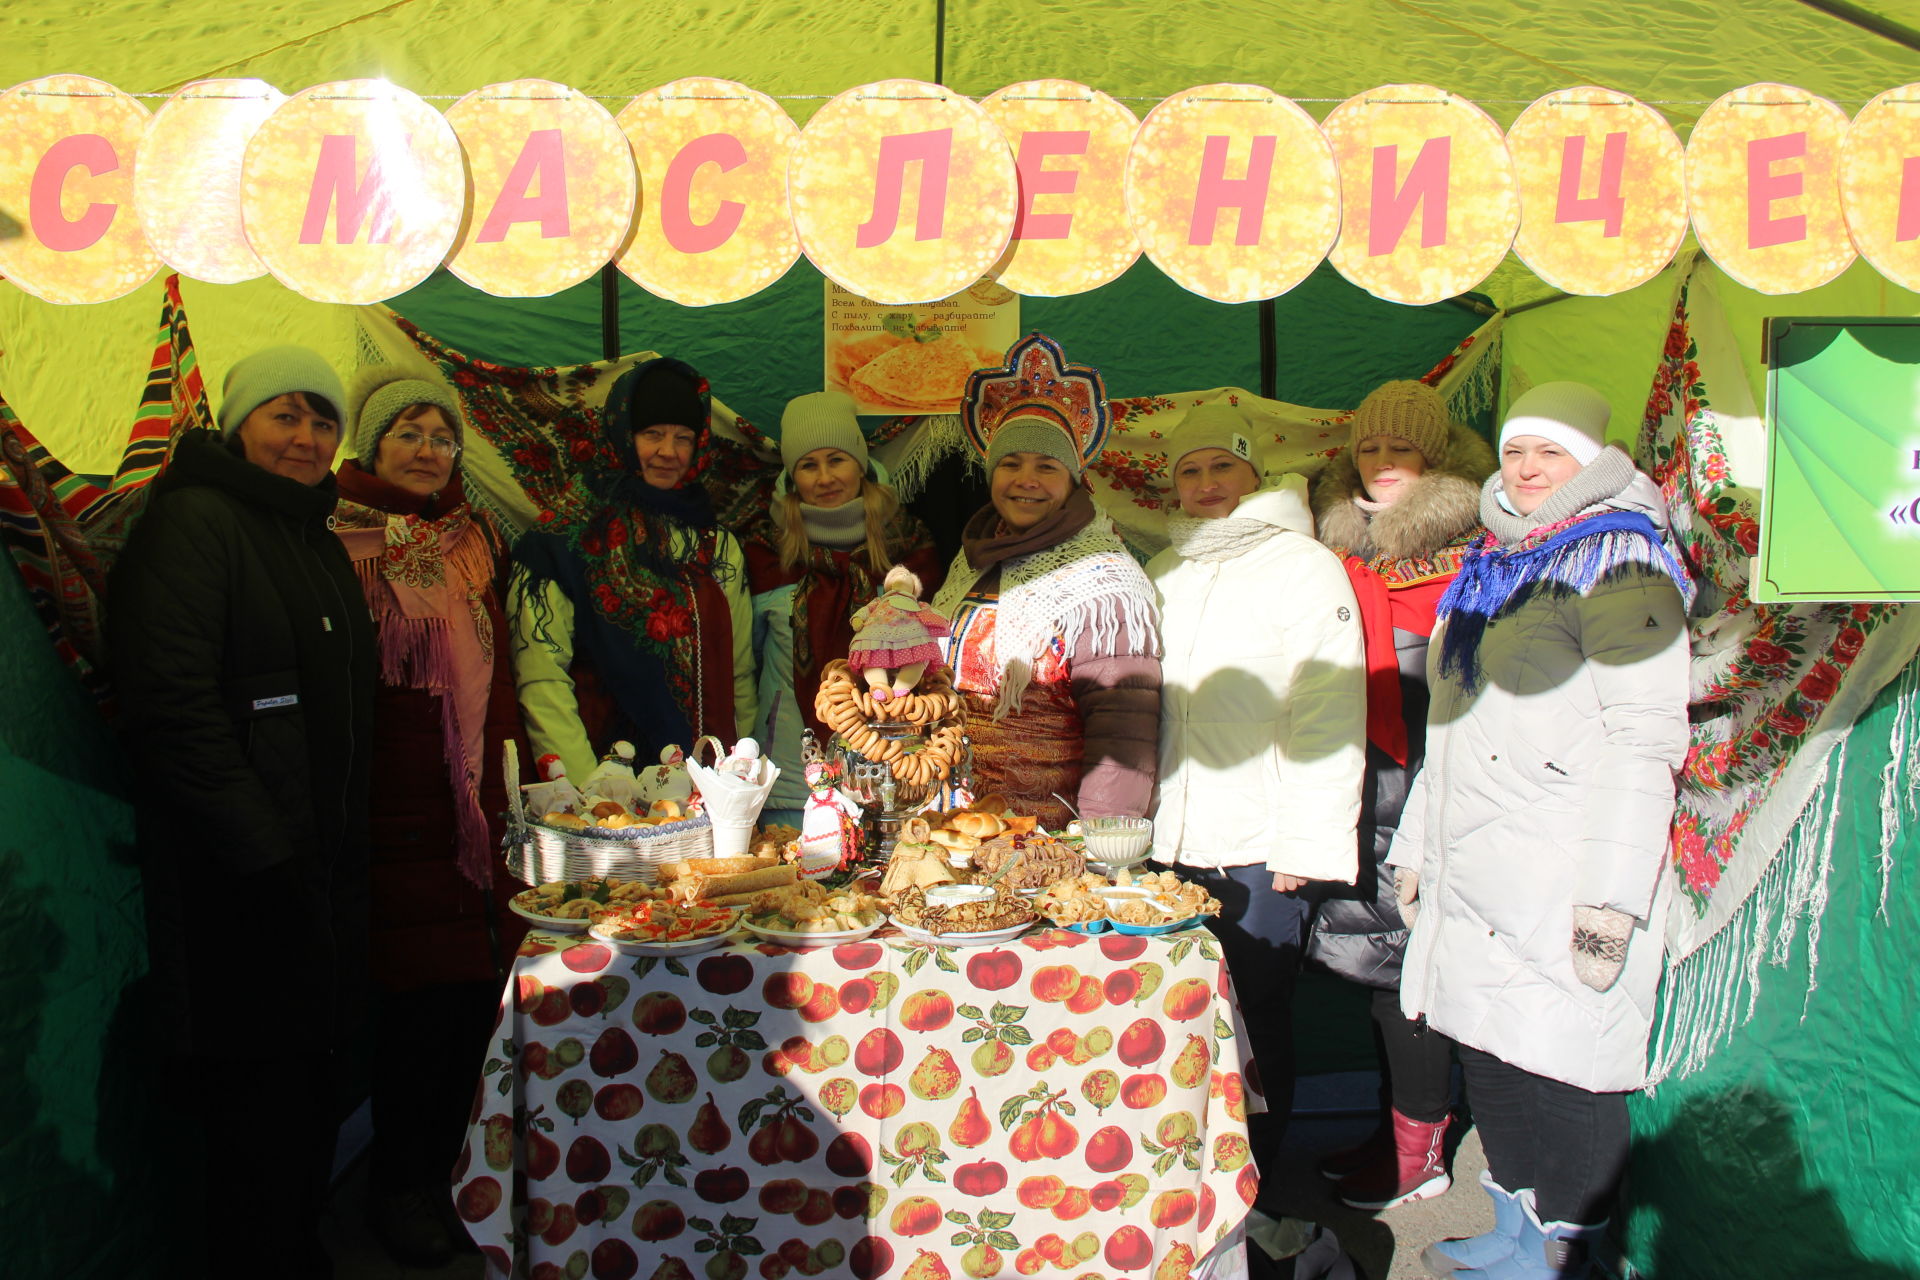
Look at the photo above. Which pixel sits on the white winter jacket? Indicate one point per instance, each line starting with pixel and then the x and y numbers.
pixel 1549 786
pixel 1263 705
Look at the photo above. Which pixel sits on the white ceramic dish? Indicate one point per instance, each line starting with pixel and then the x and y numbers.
pixel 1117 842
pixel 550 923
pixel 987 938
pixel 691 947
pixel 799 938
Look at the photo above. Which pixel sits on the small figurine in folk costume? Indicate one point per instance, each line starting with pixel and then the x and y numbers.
pixel 895 637
pixel 830 823
pixel 745 762
pixel 668 779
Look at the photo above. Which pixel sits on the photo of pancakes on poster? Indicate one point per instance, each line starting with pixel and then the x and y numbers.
pixel 915 359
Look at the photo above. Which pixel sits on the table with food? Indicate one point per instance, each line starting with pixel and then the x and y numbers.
pixel 989 1048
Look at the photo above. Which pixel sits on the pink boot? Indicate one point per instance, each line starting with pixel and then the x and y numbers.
pixel 1416 1170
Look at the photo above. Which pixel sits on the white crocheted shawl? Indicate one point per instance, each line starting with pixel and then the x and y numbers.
pixel 1085 586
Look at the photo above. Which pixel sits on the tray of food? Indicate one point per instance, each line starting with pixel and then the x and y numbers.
pixel 667 928
pixel 569 906
pixel 807 915
pixel 1156 903
pixel 962 915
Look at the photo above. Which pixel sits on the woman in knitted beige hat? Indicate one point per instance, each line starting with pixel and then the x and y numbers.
pixel 244 665
pixel 833 530
pixel 429 565
pixel 1400 504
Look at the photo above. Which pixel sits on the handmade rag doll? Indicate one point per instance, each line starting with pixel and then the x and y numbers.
pixel 895 637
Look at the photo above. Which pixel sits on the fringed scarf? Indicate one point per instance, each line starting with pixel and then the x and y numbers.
pixel 425 565
pixel 1084 584
pixel 1569 558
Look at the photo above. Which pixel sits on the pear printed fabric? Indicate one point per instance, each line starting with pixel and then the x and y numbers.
pixel 1062 1104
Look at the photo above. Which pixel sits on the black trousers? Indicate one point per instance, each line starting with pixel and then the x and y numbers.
pixel 254 1139
pixel 1262 936
pixel 1567 1143
pixel 1419 1061
pixel 429 1047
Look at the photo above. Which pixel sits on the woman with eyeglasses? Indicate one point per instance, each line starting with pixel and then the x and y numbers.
pixel 430 567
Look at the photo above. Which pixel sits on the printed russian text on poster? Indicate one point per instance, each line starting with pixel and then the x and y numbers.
pixel 916 359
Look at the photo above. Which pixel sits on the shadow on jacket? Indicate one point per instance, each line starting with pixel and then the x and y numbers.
pixel 243 657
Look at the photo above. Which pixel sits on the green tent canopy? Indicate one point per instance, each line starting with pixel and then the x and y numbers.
pixel 1787 1155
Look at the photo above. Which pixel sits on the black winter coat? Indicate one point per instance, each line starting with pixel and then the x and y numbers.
pixel 1357 932
pixel 244 663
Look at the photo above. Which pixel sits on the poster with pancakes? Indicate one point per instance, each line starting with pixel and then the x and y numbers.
pixel 915 359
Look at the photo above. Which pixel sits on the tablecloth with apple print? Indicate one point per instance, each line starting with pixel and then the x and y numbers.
pixel 1062 1104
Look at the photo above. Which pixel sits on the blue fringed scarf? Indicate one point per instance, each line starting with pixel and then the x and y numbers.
pixel 1495 580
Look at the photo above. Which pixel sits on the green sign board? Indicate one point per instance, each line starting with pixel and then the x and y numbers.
pixel 1840 514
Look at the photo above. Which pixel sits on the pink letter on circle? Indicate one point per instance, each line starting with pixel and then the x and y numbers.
pixel 1765 186
pixel 1216 191
pixel 51 226
pixel 676 195
pixel 1606 205
pixel 544 157
pixel 934 149
pixel 336 177
pixel 1907 225
pixel 1426 187
pixel 1038 180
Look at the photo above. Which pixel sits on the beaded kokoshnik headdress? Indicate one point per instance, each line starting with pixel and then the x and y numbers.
pixel 1037 382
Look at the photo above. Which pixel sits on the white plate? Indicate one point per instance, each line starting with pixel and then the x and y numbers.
pixel 691 947
pixel 549 923
pixel 986 939
pixel 797 938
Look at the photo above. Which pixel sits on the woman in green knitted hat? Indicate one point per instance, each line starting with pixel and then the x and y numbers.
pixel 430 566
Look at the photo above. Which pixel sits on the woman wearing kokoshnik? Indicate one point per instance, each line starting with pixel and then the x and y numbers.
pixel 431 568
pixel 1401 505
pixel 1531 849
pixel 1055 640
pixel 632 622
pixel 833 531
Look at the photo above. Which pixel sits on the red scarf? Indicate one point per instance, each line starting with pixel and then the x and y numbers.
pixel 1384 607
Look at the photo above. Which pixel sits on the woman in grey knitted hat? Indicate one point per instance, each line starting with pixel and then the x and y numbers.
pixel 244 664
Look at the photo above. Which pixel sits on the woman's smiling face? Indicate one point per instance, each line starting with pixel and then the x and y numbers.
pixel 1026 488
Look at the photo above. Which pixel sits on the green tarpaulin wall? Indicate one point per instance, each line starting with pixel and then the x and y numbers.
pixel 1790 1155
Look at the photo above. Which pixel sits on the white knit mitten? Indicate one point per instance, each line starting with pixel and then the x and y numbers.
pixel 1600 939
pixel 1406 887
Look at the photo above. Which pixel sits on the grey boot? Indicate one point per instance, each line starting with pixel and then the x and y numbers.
pixel 1510 1211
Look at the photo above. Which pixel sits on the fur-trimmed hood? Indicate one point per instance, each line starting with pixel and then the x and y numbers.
pixel 1436 509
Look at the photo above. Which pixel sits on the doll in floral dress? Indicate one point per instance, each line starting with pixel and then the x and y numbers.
pixel 895 637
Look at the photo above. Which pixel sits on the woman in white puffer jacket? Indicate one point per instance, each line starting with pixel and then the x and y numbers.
pixel 1534 840
pixel 1262 723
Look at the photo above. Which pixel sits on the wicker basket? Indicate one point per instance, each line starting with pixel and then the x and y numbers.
pixel 538 854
